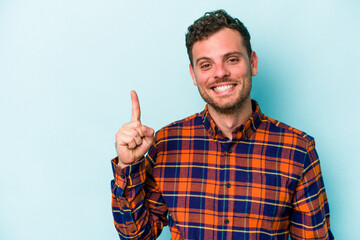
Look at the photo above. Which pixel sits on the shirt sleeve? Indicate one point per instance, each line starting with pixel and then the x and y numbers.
pixel 138 207
pixel 310 217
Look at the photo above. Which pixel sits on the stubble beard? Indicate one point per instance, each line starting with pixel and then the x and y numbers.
pixel 229 107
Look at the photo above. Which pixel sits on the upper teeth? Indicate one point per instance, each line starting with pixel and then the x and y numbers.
pixel 223 88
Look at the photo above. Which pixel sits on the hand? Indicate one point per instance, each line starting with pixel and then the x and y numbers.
pixel 133 140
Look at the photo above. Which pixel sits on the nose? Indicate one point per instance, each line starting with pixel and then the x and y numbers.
pixel 221 71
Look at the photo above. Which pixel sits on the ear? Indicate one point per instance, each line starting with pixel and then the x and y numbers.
pixel 192 73
pixel 254 63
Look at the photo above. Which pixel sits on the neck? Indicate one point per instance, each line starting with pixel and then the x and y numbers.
pixel 229 122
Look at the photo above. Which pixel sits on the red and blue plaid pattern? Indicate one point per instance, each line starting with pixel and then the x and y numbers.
pixel 265 183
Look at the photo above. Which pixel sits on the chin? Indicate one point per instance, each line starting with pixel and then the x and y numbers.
pixel 229 107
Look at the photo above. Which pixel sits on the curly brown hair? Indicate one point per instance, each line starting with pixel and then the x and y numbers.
pixel 211 23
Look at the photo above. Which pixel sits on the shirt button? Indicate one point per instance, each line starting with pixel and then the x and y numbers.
pixel 229 151
pixel 226 221
pixel 228 185
pixel 122 176
pixel 131 175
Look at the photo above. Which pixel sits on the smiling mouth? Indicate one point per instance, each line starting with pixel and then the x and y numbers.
pixel 223 88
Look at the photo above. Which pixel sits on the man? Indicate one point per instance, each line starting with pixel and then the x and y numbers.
pixel 229 172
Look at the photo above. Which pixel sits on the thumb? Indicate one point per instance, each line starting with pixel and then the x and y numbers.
pixel 148 133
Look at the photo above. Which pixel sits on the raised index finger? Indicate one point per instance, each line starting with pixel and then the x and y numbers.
pixel 135 112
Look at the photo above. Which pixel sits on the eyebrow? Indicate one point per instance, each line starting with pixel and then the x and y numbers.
pixel 225 56
pixel 202 58
pixel 232 53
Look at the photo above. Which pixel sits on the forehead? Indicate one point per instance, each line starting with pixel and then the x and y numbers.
pixel 218 44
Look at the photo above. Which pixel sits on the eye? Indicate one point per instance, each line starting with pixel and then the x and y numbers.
pixel 205 66
pixel 233 60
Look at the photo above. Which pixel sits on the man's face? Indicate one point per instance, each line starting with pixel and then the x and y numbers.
pixel 222 70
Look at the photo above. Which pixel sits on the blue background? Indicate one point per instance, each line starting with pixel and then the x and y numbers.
pixel 67 68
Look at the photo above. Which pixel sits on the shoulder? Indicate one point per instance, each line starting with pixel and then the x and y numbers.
pixel 176 128
pixel 291 136
pixel 188 121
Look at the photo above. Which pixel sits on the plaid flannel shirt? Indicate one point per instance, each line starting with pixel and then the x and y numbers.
pixel 265 183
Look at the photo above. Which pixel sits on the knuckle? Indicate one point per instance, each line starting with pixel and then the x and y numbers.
pixel 119 133
pixel 134 133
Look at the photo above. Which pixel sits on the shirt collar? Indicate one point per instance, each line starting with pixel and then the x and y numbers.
pixel 244 131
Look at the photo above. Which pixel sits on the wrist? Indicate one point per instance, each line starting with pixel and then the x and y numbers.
pixel 123 165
